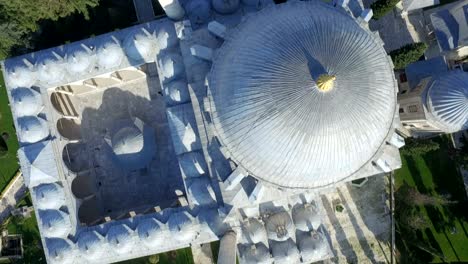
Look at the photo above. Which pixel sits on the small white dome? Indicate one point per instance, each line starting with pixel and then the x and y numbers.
pixel 60 251
pixel 120 239
pixel 21 76
pixel 279 226
pixel 26 101
pixel 32 129
pixel 177 92
pixel 285 252
pixel 172 67
pixel 127 140
pixel 254 231
pixel 80 60
pixel 166 40
pixel 110 55
pixel 225 6
pixel 51 70
pixel 313 246
pixel 49 196
pixel 150 233
pixel 180 225
pixel 306 217
pixel 55 223
pixel 201 191
pixel 91 245
pixel 255 254
pixel 141 46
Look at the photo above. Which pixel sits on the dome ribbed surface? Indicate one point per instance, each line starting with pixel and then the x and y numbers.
pixel 447 101
pixel 26 101
pixel 268 111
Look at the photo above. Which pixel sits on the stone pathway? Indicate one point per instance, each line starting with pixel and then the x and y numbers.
pixel 11 196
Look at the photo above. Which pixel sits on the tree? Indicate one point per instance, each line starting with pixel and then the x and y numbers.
pixel 154 259
pixel 419 146
pixel 3 147
pixel 407 54
pixel 461 155
pixel 382 7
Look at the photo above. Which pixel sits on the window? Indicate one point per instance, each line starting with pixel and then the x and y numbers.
pixel 413 108
pixel 403 92
pixel 403 78
pixel 402 110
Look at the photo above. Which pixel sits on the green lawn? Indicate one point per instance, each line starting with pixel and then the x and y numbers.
pixel 434 173
pixel 9 162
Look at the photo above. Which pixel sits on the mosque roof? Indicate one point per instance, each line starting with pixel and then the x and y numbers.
pixel 26 101
pixel 273 117
pixel 49 196
pixel 32 129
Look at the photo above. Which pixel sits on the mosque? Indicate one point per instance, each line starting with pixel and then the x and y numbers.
pixel 226 120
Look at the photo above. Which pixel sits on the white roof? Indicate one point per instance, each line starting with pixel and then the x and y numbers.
pixel 254 231
pixel 54 223
pixel 270 114
pixel 313 246
pixel 51 69
pixel 80 59
pixel 38 164
pixel 141 45
pixel 181 227
pixel 60 251
pixel 20 76
pixel 32 129
pixel 120 239
pixel 91 245
pixel 150 233
pixel 49 196
pixel 171 66
pixel 110 54
pixel 127 140
pixel 177 91
pixel 255 254
pixel 192 164
pixel 447 101
pixel 201 191
pixel 285 251
pixel 26 102
pixel 166 39
pixel 306 217
pixel 279 226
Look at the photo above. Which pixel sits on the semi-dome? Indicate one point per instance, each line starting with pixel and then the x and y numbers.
pixel 110 54
pixel 172 66
pixel 302 95
pixel 306 217
pixel 253 231
pixel 49 196
pixel 141 46
pixel 256 254
pixel 80 60
pixel 166 39
pixel 192 164
pixel 26 101
pixel 120 239
pixel 180 225
pixel 127 140
pixel 91 245
pixel 51 69
pixel 21 76
pixel 447 101
pixel 55 223
pixel 201 191
pixel 285 251
pixel 150 233
pixel 60 251
pixel 177 92
pixel 32 129
pixel 313 246
pixel 279 226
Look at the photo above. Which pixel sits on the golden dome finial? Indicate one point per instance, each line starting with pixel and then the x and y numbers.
pixel 325 82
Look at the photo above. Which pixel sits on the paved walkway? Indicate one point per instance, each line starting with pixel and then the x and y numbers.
pixel 144 10
pixel 11 196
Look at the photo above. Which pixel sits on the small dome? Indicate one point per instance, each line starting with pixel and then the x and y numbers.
pixel 306 217
pixel 313 246
pixel 110 55
pixel 32 129
pixel 49 196
pixel 26 101
pixel 180 225
pixel 199 11
pixel 80 60
pixel 447 101
pixel 150 233
pixel 255 254
pixel 172 66
pixel 225 6
pixel 201 191
pixel 279 226
pixel 60 251
pixel 166 40
pixel 213 220
pixel 141 46
pixel 21 76
pixel 177 92
pixel 192 164
pixel 51 69
pixel 254 231
pixel 91 245
pixel 55 223
pixel 128 140
pixel 120 239
pixel 285 251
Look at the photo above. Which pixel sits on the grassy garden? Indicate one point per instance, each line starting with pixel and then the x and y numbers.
pixel 438 232
pixel 8 161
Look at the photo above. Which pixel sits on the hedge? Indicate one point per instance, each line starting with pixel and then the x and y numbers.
pixel 407 54
pixel 382 7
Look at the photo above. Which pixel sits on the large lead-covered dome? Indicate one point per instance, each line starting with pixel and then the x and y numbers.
pixel 447 101
pixel 301 95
